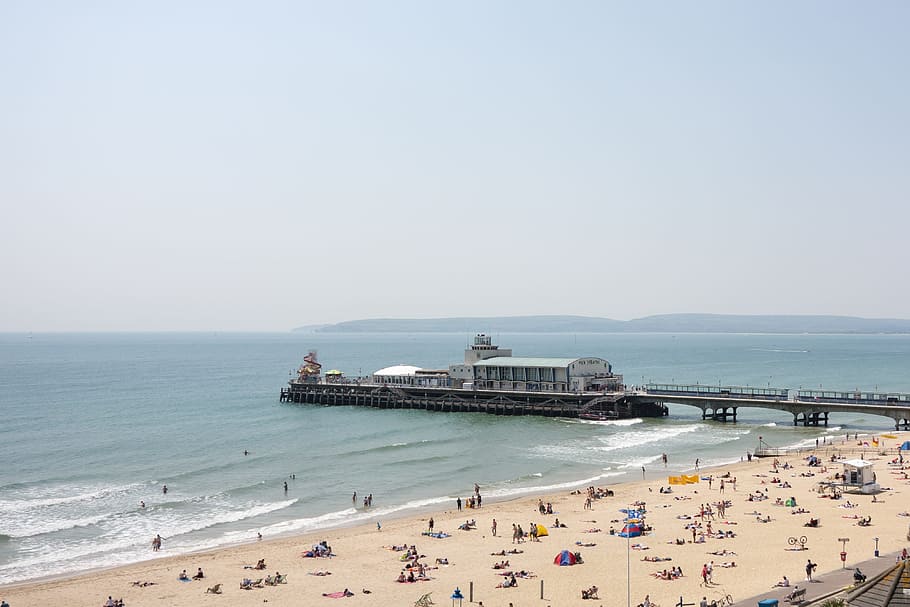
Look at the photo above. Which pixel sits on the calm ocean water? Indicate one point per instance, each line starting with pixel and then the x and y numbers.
pixel 93 424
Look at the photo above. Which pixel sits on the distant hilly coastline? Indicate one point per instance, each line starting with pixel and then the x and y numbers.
pixel 663 323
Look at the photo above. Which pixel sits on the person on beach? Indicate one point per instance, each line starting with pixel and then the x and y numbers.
pixel 458 503
pixel 810 567
pixel 156 543
pixel 430 524
pixel 199 575
pixel 493 528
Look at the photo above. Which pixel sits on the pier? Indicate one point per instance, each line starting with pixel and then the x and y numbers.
pixel 808 407
pixel 496 402
pixel 717 403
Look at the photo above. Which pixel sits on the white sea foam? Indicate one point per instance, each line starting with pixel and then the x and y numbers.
pixel 42 497
pixel 624 440
pixel 608 422
pixel 641 461
pixel 27 527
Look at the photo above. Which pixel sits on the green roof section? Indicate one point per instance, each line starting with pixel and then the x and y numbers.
pixel 519 361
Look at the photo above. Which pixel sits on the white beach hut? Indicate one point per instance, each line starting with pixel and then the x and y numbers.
pixel 858 474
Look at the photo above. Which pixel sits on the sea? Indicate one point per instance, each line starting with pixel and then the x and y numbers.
pixel 93 425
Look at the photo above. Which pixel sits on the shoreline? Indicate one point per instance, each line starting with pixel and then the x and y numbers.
pixel 430 510
pixel 357 545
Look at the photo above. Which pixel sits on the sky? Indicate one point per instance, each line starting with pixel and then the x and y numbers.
pixel 258 166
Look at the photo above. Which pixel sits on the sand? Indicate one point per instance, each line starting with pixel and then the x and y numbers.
pixel 364 561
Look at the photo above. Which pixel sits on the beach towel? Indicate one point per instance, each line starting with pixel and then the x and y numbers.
pixel 437 534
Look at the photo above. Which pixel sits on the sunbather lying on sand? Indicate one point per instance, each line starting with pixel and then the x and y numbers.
pixel 338 595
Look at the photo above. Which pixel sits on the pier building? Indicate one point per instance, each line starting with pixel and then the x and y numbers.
pixel 487 367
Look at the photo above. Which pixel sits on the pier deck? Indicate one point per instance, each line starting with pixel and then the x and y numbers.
pixel 493 402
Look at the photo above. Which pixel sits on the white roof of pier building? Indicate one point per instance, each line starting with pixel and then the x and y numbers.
pixel 519 361
pixel 398 370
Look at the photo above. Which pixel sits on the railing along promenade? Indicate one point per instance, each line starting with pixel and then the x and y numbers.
pixel 811 407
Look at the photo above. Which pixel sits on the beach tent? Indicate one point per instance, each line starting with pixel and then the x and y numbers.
pixel 564 558
pixel 630 530
pixel 906 446
pixel 542 531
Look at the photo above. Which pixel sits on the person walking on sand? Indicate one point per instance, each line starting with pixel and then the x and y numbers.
pixel 810 567
pixel 430 524
pixel 493 528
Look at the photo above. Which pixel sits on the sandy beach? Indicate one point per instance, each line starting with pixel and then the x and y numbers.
pixel 748 561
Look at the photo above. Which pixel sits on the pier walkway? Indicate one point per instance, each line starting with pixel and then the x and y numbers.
pixel 809 407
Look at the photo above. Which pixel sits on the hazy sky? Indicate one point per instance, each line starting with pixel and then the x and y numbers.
pixel 264 165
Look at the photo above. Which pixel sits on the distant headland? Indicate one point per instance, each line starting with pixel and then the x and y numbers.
pixel 663 323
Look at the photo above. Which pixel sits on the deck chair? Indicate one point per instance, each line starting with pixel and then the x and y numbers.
pixel 270 581
pixel 282 579
pixel 216 589
pixel 246 584
pixel 424 601
pixel 258 583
